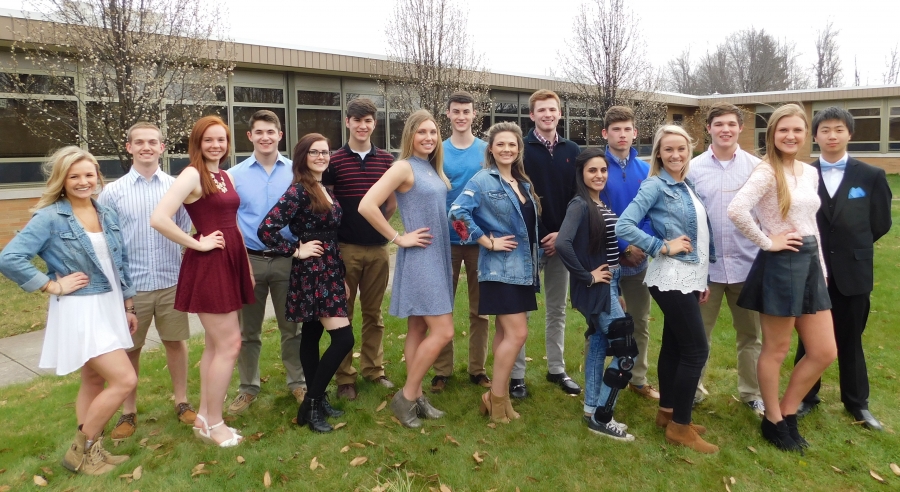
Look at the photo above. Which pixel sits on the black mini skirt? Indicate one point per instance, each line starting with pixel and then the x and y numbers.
pixel 501 298
pixel 786 283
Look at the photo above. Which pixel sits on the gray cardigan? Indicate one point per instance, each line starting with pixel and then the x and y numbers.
pixel 573 248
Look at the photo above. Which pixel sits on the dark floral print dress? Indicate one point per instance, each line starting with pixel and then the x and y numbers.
pixel 317 283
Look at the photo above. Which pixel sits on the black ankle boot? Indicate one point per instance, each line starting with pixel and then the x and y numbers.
pixel 791 421
pixel 779 435
pixel 311 414
pixel 329 410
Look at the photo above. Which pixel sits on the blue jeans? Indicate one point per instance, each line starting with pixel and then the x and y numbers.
pixel 596 392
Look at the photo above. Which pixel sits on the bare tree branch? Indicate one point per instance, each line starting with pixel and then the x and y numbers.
pixel 892 73
pixel 828 61
pixel 430 56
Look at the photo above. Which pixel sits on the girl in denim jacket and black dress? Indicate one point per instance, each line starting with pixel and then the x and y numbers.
pixel 682 248
pixel 498 210
pixel 588 247
pixel 91 313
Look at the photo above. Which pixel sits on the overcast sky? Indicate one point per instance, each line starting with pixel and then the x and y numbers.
pixel 524 36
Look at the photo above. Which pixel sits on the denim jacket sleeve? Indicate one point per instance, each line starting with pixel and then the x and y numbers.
pixel 15 259
pixel 462 213
pixel 627 228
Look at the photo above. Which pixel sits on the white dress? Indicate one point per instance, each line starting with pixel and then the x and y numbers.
pixel 80 328
pixel 668 273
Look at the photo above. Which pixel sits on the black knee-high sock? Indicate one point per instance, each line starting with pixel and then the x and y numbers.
pixel 309 348
pixel 341 345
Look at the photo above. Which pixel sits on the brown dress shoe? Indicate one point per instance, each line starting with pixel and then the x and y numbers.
pixel 438 384
pixel 186 413
pixel 383 381
pixel 347 391
pixel 687 436
pixel 299 393
pixel 647 391
pixel 481 380
pixel 124 427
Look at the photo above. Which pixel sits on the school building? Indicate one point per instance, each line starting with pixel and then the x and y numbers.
pixel 308 89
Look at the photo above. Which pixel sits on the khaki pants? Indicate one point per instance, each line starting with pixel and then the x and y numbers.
pixel 368 269
pixel 478 325
pixel 747 331
pixel 637 302
pixel 272 275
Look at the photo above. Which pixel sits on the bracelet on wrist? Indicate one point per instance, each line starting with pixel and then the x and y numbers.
pixel 130 309
pixel 396 235
pixel 492 243
pixel 61 291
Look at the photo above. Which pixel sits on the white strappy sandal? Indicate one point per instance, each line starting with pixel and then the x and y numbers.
pixel 206 437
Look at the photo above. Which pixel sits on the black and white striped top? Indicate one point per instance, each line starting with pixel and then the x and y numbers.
pixel 612 242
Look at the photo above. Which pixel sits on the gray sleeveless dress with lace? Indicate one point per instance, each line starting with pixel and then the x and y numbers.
pixel 422 276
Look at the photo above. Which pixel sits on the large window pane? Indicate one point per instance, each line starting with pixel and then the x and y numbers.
pixel 35 84
pixel 313 98
pixel 396 129
pixel 595 132
pixel 506 108
pixel 57 121
pixel 867 130
pixel 258 95
pixel 21 172
pixel 111 168
pixel 324 121
pixel 894 126
pixel 578 131
pixel 379 136
pixel 102 127
pixel 241 125
pixel 865 111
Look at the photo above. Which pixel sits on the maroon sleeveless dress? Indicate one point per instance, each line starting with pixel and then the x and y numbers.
pixel 216 281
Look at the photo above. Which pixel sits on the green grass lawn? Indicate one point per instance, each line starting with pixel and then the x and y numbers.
pixel 20 311
pixel 548 449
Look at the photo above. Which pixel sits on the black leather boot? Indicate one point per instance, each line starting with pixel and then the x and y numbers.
pixel 329 410
pixel 779 435
pixel 794 432
pixel 311 414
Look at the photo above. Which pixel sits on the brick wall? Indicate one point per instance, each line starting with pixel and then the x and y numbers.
pixel 13 217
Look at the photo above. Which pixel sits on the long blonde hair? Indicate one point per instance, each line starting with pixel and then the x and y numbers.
pixel 776 159
pixel 436 157
pixel 518 167
pixel 656 164
pixel 57 169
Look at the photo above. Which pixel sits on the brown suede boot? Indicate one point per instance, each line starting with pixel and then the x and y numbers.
pixel 498 409
pixel 510 412
pixel 75 454
pixel 663 417
pixel 107 456
pixel 93 463
pixel 485 407
pixel 687 436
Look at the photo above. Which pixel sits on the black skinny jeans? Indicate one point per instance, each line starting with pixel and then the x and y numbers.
pixel 683 352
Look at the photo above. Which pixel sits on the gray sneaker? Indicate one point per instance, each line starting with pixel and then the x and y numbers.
pixel 611 430
pixel 758 407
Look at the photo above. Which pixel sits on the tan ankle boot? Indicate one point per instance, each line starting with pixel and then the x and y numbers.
pixel 663 417
pixel 498 409
pixel 93 463
pixel 687 436
pixel 485 407
pixel 75 454
pixel 109 457
pixel 507 405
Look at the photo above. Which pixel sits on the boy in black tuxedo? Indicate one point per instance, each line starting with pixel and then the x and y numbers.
pixel 855 212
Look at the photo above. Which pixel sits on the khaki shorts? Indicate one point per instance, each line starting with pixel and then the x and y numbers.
pixel 172 325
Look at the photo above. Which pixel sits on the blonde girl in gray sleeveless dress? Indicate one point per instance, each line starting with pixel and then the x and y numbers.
pixel 422 290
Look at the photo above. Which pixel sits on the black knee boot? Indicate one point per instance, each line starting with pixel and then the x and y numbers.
pixel 312 414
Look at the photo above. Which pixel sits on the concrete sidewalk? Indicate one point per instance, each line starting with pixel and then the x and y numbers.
pixel 20 354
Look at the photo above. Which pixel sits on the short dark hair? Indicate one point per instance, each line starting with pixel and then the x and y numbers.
pixel 617 114
pixel 361 107
pixel 267 116
pixel 832 113
pixel 723 108
pixel 461 97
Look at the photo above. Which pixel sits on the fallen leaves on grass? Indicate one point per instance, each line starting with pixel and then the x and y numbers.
pixel 836 469
pixel 267 479
pixel 345 449
pixel 241 460
pixel 47 470
pixel 477 457
pixel 686 460
pixel 895 469
pixel 339 425
pixel 5 488
pixel 40 481
pixel 314 463
pixel 359 460
pixel 381 406
pixel 752 449
pixel 200 469
pixel 137 473
pixel 449 438
pixel 876 476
